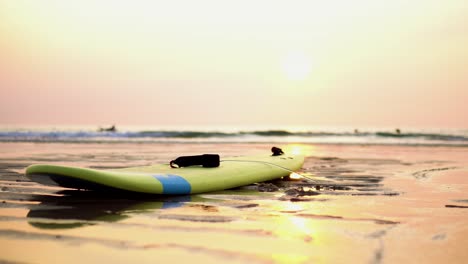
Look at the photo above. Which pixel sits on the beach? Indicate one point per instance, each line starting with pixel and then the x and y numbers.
pixel 360 203
pixel 372 93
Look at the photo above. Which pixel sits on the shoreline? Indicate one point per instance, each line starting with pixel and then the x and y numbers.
pixel 238 143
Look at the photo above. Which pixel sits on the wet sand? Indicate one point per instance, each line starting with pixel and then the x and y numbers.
pixel 367 204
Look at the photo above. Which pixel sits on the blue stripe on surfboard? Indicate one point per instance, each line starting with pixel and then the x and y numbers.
pixel 173 184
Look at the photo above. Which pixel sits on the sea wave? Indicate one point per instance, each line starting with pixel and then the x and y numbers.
pixel 332 137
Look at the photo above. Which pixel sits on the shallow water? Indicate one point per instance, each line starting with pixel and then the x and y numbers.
pixel 366 204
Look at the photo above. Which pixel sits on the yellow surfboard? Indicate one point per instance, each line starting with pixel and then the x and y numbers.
pixel 162 179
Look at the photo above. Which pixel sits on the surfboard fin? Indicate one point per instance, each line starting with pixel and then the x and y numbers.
pixel 277 151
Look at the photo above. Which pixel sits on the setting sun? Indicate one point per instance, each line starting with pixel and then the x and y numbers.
pixel 296 65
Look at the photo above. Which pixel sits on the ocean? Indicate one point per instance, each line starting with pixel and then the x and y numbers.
pixel 315 135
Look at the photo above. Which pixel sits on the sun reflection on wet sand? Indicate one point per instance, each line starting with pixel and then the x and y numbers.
pixel 295 176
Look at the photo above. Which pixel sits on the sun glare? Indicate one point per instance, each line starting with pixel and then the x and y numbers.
pixel 296 66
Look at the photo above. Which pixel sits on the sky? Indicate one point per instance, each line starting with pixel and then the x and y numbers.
pixel 370 63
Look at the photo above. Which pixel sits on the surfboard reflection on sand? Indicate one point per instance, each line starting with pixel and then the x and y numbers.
pixel 83 208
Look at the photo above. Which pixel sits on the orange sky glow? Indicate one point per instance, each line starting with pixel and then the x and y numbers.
pixel 274 63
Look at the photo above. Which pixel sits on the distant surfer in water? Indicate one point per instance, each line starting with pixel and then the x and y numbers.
pixel 109 129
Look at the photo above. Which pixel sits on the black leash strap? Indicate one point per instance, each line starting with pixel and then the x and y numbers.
pixel 205 160
pixel 208 160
